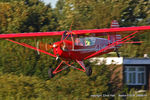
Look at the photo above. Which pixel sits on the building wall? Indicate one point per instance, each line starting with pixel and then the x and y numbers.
pixel 117 76
pixel 118 73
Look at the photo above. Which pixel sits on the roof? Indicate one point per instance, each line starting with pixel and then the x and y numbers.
pixel 121 60
pixel 108 60
pixel 136 61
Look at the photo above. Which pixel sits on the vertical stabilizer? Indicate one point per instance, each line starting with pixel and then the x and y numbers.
pixel 114 37
pixel 114 24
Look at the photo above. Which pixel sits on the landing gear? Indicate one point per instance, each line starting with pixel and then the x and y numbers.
pixel 59 68
pixel 117 52
pixel 88 71
pixel 50 73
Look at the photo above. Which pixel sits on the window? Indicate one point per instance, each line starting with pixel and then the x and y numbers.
pixel 135 75
pixel 87 41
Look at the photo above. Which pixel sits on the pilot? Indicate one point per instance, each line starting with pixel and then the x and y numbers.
pixel 88 42
pixel 78 42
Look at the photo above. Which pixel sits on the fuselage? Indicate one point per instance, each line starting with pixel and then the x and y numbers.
pixel 81 48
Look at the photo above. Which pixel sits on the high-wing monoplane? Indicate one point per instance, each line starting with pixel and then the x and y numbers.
pixel 79 45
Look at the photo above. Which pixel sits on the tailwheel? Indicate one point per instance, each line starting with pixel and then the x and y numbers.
pixel 50 73
pixel 88 71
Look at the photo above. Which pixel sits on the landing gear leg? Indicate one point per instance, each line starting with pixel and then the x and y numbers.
pixel 88 71
pixel 116 50
pixel 50 73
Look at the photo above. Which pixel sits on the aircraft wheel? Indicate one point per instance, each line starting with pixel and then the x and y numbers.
pixel 50 73
pixel 88 71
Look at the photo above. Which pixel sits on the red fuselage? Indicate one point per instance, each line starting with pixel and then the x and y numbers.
pixel 73 51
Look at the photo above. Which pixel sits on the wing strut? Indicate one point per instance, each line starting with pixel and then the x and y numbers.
pixel 37 46
pixel 31 47
pixel 123 40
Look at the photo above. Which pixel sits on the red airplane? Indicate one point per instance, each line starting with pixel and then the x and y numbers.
pixel 79 45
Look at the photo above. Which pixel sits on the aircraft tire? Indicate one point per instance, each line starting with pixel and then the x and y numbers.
pixel 50 73
pixel 88 71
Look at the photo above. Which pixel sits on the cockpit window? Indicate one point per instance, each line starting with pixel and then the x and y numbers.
pixel 87 41
pixel 79 42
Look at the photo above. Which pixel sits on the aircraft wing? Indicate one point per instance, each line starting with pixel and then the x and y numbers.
pixel 30 35
pixel 120 30
pixel 100 32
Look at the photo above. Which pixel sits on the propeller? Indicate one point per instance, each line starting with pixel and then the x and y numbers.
pixel 45 46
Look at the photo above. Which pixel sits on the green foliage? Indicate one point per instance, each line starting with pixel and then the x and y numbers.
pixel 74 85
pixel 33 16
pixel 25 16
pixel 22 88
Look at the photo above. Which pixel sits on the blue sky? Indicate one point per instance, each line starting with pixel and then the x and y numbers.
pixel 53 2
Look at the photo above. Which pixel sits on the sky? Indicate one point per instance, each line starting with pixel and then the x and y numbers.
pixel 53 2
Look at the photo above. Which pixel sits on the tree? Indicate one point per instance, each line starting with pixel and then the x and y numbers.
pixel 24 16
pixel 91 14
